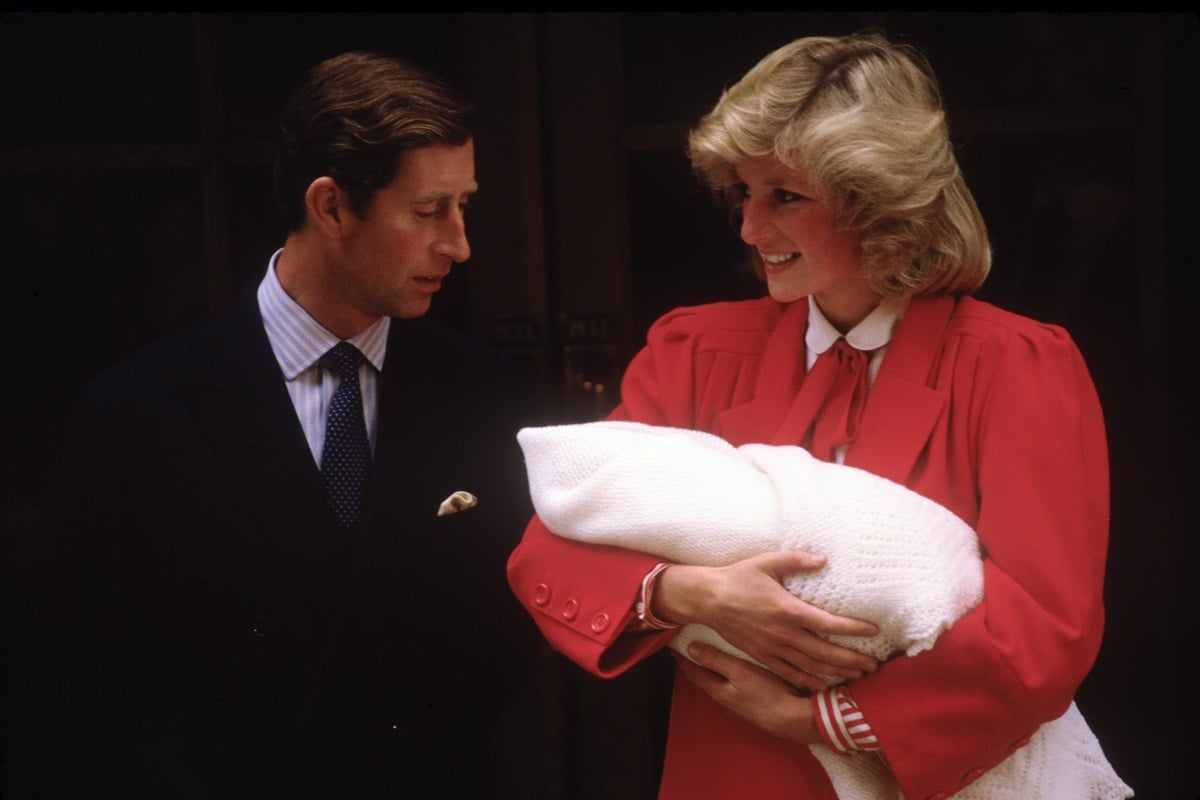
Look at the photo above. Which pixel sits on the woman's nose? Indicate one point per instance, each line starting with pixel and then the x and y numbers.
pixel 754 222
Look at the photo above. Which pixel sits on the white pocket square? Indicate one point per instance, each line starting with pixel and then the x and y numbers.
pixel 459 501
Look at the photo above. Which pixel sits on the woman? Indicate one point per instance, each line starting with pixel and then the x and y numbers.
pixel 868 351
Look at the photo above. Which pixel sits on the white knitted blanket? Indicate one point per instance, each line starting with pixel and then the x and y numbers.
pixel 895 558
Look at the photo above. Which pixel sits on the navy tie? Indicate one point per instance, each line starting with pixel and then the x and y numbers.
pixel 346 457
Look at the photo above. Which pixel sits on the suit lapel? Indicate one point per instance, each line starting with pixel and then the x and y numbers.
pixel 240 400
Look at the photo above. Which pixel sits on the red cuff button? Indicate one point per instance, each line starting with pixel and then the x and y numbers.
pixel 570 609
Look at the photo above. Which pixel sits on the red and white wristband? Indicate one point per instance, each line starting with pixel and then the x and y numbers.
pixel 839 720
pixel 841 723
pixel 644 614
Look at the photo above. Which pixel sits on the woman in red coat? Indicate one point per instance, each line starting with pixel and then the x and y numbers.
pixel 870 352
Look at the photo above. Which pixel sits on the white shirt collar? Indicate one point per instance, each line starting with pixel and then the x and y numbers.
pixel 298 340
pixel 874 332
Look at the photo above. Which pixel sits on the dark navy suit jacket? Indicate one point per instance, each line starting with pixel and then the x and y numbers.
pixel 206 629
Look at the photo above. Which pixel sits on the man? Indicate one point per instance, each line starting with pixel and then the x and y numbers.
pixel 227 616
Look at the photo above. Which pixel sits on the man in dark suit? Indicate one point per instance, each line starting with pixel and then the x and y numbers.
pixel 222 616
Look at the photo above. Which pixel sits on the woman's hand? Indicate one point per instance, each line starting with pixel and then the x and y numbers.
pixel 752 694
pixel 747 604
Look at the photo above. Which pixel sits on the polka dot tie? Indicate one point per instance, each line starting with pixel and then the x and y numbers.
pixel 346 458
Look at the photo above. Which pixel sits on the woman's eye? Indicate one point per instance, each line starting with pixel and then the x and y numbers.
pixel 784 196
pixel 733 197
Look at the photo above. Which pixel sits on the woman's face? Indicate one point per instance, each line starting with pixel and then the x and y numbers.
pixel 804 252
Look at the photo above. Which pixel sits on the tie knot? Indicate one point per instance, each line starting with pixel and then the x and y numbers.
pixel 845 353
pixel 345 358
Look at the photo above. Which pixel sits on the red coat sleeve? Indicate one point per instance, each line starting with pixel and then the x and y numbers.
pixel 1022 455
pixel 583 596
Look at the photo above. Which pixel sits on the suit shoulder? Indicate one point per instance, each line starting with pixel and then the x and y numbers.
pixel 164 368
pixel 440 343
pixel 436 334
pixel 444 356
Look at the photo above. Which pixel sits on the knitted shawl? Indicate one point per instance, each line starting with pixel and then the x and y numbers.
pixel 894 557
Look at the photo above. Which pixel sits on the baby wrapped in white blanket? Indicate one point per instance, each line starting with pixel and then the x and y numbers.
pixel 894 557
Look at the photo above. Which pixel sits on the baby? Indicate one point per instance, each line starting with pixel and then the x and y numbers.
pixel 894 557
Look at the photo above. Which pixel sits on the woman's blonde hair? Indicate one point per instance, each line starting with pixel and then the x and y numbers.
pixel 862 118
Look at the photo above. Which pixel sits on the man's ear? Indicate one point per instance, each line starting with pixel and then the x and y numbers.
pixel 327 206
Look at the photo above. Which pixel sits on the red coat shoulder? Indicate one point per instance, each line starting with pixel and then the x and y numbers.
pixel 980 319
pixel 733 325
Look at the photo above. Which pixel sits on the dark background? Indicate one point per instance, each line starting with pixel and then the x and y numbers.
pixel 135 157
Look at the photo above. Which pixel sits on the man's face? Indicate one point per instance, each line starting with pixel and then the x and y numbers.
pixel 411 234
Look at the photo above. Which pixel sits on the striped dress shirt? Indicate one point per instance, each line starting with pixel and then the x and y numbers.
pixel 299 342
